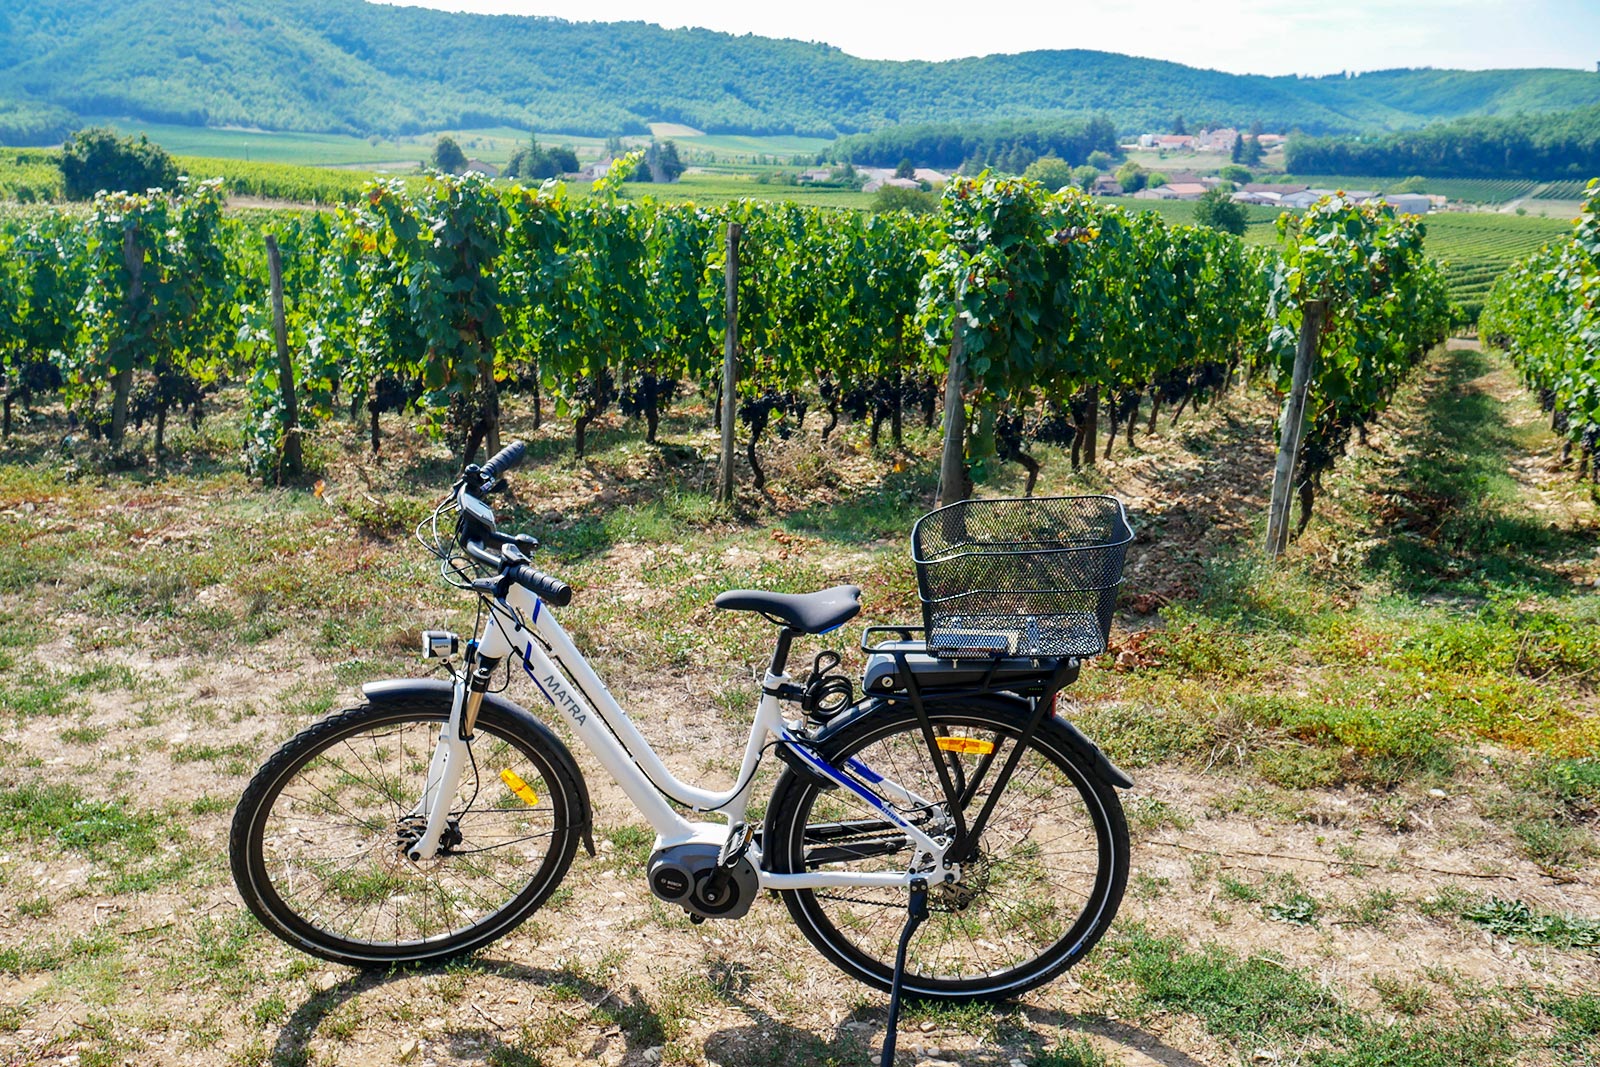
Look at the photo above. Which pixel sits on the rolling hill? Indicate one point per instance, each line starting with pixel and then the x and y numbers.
pixel 356 67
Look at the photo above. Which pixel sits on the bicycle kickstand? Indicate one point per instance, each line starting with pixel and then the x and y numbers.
pixel 916 911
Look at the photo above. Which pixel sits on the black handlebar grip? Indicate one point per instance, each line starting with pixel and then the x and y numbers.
pixel 503 461
pixel 552 591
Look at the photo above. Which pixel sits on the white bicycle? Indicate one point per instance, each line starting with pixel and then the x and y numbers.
pixel 949 796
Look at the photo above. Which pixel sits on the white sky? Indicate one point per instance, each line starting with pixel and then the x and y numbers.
pixel 1243 36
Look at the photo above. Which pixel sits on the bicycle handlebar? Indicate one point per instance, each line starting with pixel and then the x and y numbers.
pixel 503 460
pixel 478 481
pixel 551 590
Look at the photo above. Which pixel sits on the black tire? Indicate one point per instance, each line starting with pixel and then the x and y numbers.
pixel 295 833
pixel 1050 872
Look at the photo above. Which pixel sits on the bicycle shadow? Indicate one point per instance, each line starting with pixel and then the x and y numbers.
pixel 489 1038
pixel 1024 1033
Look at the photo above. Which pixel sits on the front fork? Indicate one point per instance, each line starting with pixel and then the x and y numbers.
pixel 452 755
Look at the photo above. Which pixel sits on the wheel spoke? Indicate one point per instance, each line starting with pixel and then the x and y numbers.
pixel 1032 891
pixel 328 851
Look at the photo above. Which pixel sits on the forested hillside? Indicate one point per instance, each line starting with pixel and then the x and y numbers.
pixel 1541 147
pixel 350 66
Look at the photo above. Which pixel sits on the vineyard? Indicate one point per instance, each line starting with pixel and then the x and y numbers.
pixel 1071 315
pixel 1363 819
pixel 1467 190
pixel 1477 248
pixel 1543 312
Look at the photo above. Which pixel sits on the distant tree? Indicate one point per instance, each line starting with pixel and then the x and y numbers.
pixel 1018 159
pixel 1178 128
pixel 1236 153
pixel 96 159
pixel 448 157
pixel 1083 177
pixel 661 164
pixel 900 198
pixel 906 169
pixel 1101 160
pixel 1414 184
pixel 565 159
pixel 1250 151
pixel 1236 174
pixel 1216 209
pixel 1131 177
pixel 1155 180
pixel 1052 172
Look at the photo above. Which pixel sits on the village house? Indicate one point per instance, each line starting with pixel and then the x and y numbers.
pixel 1409 203
pixel 1169 141
pixel 874 184
pixel 1173 191
pixel 478 166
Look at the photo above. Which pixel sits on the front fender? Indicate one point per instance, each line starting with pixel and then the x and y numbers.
pixel 437 690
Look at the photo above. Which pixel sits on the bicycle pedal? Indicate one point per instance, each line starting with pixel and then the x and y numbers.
pixel 732 853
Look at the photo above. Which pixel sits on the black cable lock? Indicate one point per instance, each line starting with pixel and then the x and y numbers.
pixel 826 695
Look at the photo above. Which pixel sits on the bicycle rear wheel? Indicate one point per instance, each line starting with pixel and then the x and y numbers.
pixel 318 840
pixel 1044 885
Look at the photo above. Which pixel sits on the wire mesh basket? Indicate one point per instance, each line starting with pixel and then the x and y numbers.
pixel 1033 577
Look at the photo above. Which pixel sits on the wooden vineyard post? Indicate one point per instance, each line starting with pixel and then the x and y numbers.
pixel 953 460
pixel 292 459
pixel 122 382
pixel 1292 431
pixel 730 363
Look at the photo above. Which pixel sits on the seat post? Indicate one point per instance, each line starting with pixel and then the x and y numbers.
pixel 780 655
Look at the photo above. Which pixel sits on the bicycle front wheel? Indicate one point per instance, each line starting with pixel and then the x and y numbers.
pixel 318 846
pixel 1043 886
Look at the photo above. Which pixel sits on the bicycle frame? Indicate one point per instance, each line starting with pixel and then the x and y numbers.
pixel 522 626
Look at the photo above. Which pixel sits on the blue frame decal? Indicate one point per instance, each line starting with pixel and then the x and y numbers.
pixel 820 764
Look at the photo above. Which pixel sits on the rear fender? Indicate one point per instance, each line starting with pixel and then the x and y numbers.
pixel 1014 707
pixel 435 691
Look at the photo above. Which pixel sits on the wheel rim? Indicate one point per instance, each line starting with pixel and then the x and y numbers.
pixel 328 855
pixel 1036 888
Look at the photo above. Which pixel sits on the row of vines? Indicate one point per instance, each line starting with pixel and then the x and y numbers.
pixel 1068 315
pixel 1545 312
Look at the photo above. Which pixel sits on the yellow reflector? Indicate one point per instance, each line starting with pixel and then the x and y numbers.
pixel 514 782
pixel 970 746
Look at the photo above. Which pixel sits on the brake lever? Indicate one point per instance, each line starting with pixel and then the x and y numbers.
pixel 526 542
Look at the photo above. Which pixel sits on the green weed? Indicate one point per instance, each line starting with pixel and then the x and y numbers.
pixel 1515 919
pixel 1402 997
pixel 1578 1021
pixel 79 822
pixel 1074 1052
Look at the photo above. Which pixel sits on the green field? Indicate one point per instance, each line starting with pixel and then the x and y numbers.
pixel 491 145
pixel 1260 222
pixel 712 188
